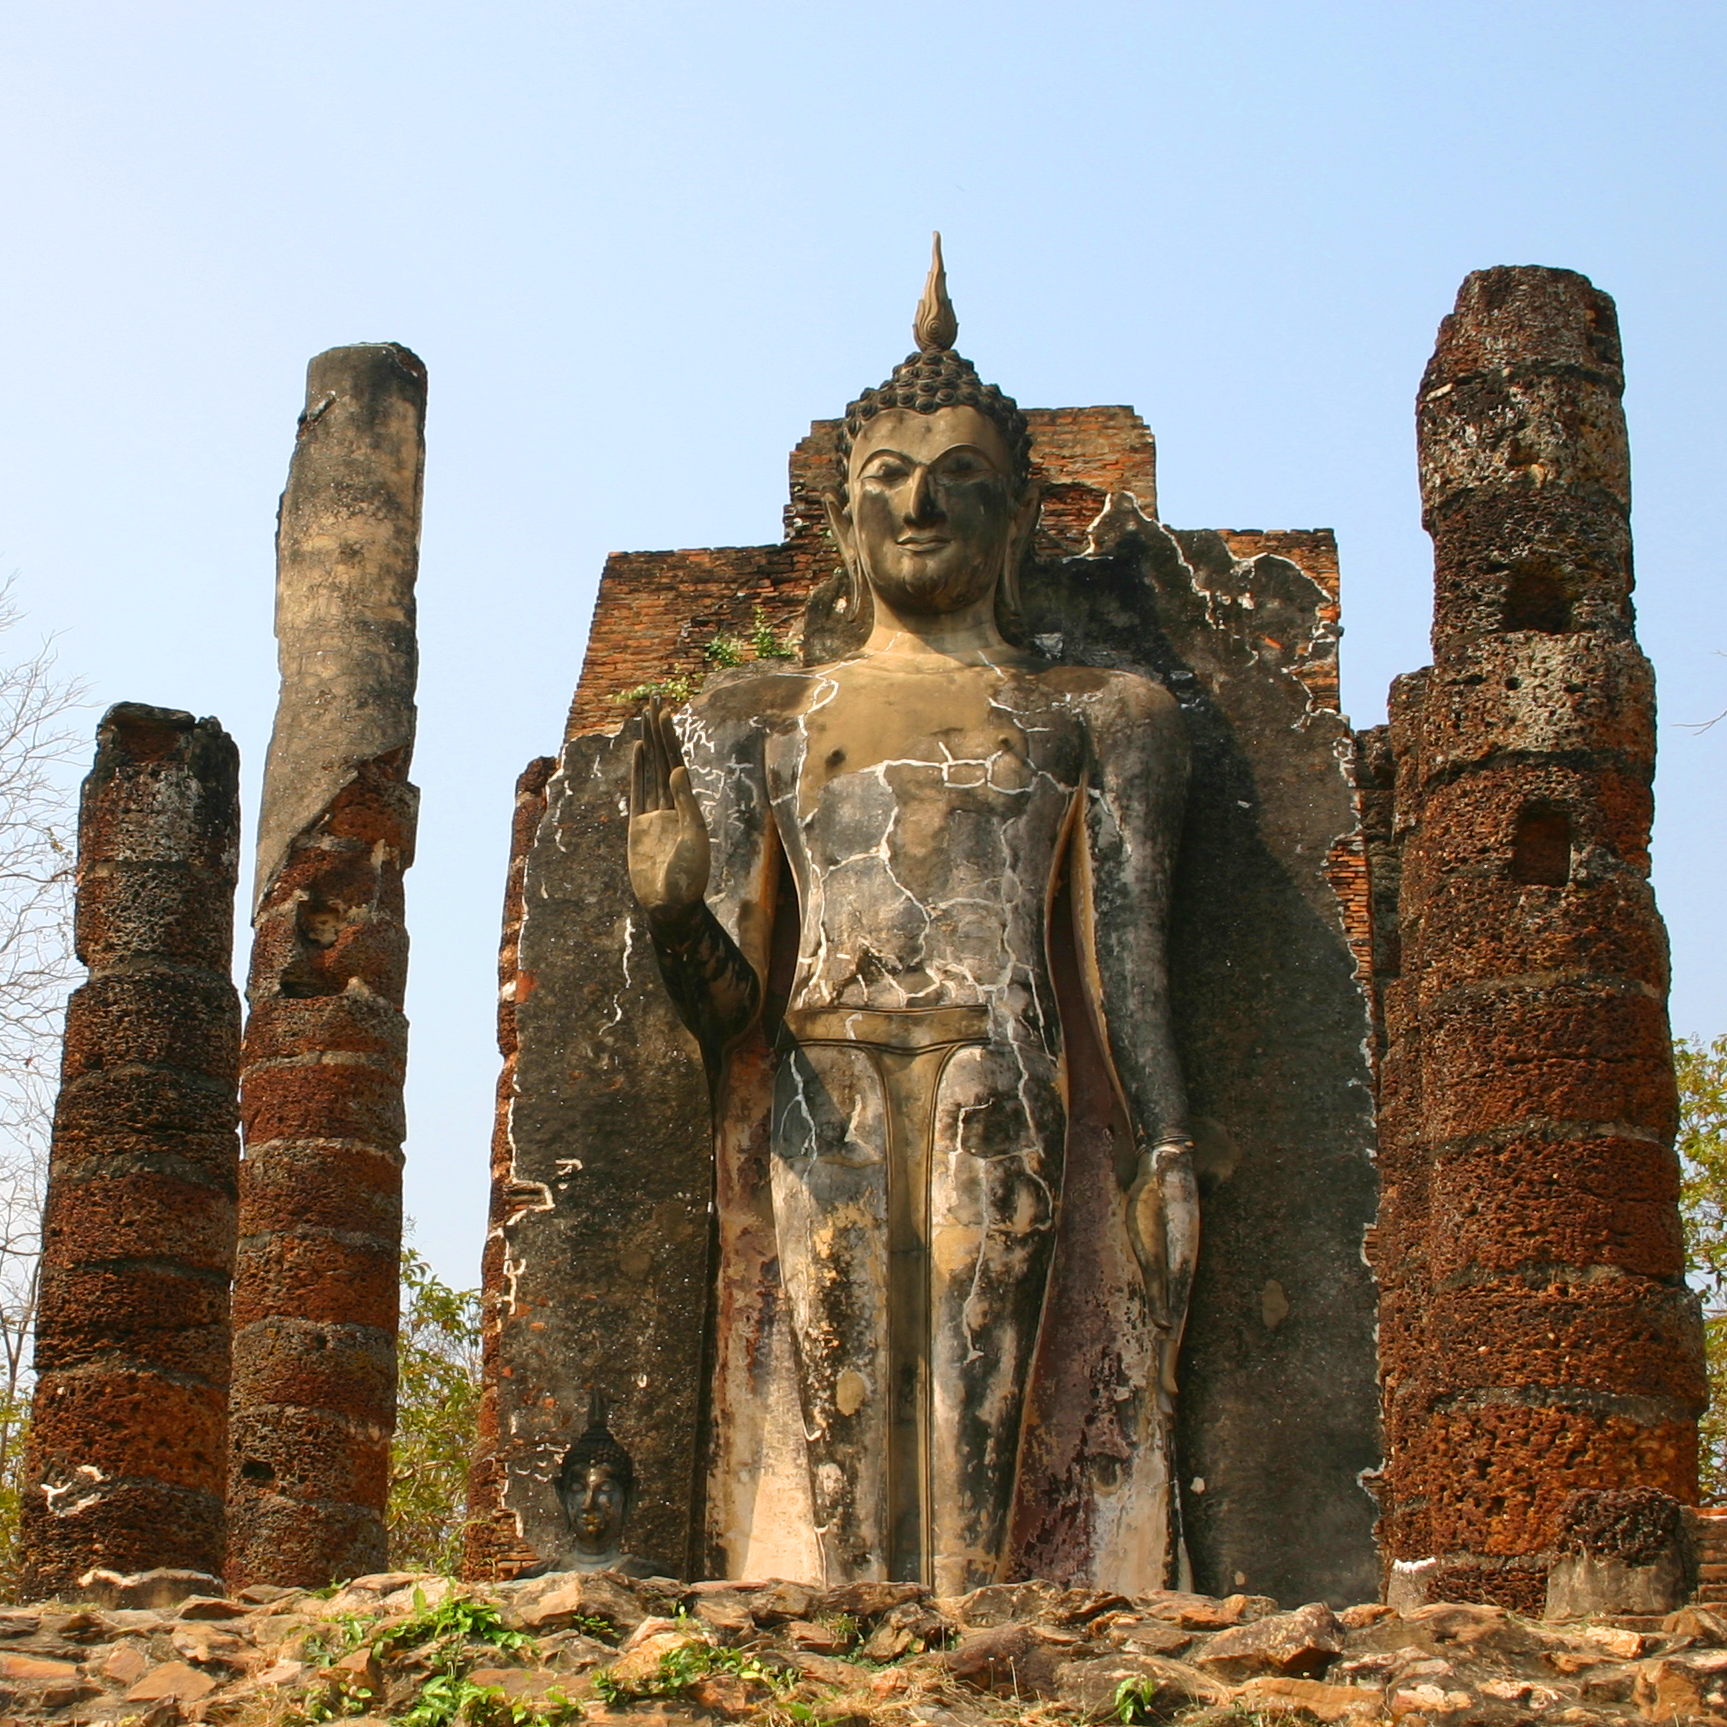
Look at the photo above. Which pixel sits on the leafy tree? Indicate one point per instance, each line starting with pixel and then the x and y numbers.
pixel 437 1408
pixel 1702 1069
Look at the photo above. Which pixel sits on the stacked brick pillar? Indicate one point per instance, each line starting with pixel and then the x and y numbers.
pixel 316 1280
pixel 128 1438
pixel 1536 1333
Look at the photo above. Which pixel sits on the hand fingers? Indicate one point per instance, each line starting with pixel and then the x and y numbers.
pixel 638 779
pixel 684 797
pixel 647 766
pixel 674 749
pixel 662 767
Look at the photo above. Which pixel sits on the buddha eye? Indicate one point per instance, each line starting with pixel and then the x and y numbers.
pixel 964 465
pixel 887 468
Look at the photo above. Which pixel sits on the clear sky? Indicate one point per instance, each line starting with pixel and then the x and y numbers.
pixel 641 245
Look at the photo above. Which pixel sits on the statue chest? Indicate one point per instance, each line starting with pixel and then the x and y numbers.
pixel 953 787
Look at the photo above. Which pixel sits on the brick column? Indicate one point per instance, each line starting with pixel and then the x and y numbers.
pixel 129 1426
pixel 316 1281
pixel 1536 1333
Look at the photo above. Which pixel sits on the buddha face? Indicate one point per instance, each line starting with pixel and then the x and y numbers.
pixel 596 1504
pixel 932 512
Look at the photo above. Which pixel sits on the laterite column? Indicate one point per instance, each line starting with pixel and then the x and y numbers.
pixel 316 1281
pixel 128 1433
pixel 1537 1337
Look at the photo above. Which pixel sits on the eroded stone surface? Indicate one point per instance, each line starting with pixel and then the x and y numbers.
pixel 316 1288
pixel 1536 1336
pixel 126 1461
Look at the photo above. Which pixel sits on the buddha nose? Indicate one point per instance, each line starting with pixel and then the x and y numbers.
pixel 921 505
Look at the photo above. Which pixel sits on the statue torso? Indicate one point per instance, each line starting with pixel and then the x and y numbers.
pixel 923 814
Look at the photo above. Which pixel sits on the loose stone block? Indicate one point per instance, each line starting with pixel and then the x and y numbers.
pixel 126 1462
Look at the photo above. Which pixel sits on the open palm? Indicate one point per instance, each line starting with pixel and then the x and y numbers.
pixel 668 838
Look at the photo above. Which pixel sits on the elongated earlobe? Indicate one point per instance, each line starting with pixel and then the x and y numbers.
pixel 840 527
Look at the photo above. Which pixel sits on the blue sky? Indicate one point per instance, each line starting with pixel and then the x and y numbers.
pixel 640 247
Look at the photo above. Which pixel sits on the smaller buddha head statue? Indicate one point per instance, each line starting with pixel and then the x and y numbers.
pixel 596 1488
pixel 935 502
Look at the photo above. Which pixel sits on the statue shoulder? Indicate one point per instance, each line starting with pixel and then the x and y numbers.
pixel 1110 696
pixel 743 694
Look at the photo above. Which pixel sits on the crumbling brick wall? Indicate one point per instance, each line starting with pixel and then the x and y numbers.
pixel 128 1439
pixel 1536 1334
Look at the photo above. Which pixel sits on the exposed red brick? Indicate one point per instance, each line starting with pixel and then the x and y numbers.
pixel 1536 1335
pixel 318 1269
pixel 127 1463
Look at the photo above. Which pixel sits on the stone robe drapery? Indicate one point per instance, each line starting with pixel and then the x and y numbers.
pixel 890 1185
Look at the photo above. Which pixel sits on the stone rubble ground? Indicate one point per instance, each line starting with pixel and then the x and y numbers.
pixel 607 1651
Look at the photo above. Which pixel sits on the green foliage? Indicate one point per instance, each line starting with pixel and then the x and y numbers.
pixel 761 642
pixel 1133 1699
pixel 669 689
pixel 1702 1069
pixel 592 1625
pixel 437 1412
pixel 334 1699
pixel 446 1698
pixel 14 1436
pixel 684 1666
pixel 843 1628
pixel 443 1637
pixel 456 1621
pixel 768 643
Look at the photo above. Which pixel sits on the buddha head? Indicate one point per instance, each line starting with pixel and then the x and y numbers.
pixel 596 1488
pixel 935 502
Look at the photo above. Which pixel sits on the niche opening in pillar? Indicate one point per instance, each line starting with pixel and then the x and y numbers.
pixel 1541 846
pixel 1537 597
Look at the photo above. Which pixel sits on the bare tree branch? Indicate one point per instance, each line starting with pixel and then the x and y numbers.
pixel 39 747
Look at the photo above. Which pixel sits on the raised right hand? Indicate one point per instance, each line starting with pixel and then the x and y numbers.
pixel 668 838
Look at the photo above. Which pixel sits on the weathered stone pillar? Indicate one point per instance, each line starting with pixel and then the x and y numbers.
pixel 1536 1335
pixel 494 1545
pixel 315 1294
pixel 128 1436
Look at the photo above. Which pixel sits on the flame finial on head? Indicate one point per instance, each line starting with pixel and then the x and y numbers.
pixel 936 325
pixel 933 378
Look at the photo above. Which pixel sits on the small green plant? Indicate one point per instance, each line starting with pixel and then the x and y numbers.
pixel 767 642
pixel 448 1698
pixel 345 1632
pixel 445 1698
pixel 592 1625
pixel 684 1666
pixel 724 651
pixel 673 689
pixel 1133 1699
pixel 455 1621
pixel 843 1628
pixel 335 1697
